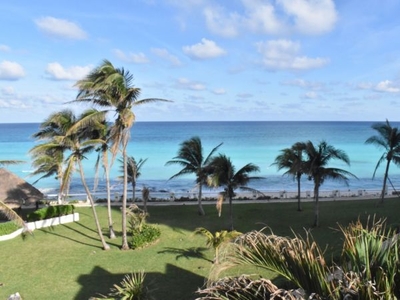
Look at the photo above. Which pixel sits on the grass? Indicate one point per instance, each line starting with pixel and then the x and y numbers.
pixel 66 262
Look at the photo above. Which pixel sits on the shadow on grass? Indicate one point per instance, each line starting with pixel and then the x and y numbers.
pixel 175 284
pixel 52 231
pixel 192 252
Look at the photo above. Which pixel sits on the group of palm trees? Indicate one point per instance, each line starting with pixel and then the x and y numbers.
pixel 65 139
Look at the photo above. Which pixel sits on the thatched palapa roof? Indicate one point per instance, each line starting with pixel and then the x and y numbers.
pixel 15 190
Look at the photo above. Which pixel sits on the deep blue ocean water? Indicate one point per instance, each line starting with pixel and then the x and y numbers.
pixel 243 142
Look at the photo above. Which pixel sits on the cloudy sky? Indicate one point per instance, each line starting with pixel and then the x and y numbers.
pixel 216 60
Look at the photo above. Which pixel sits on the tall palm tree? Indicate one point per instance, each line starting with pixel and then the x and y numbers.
pixel 224 174
pixel 292 160
pixel 316 167
pixel 58 127
pixel 191 158
pixel 388 138
pixel 103 134
pixel 133 172
pixel 110 87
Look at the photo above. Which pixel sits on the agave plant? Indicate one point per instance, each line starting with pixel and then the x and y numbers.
pixel 369 266
pixel 131 288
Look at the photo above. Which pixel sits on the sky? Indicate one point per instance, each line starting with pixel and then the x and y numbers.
pixel 227 60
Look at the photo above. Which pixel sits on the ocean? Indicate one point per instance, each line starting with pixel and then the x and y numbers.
pixel 243 142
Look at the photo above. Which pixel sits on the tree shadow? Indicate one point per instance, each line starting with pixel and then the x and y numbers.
pixel 51 230
pixel 192 252
pixel 175 283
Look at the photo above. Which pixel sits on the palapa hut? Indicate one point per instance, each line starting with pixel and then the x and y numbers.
pixel 16 191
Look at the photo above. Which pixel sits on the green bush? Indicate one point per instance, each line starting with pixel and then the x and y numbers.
pixel 142 238
pixel 50 212
pixel 8 227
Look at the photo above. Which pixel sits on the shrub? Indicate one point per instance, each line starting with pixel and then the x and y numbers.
pixel 8 227
pixel 50 212
pixel 143 238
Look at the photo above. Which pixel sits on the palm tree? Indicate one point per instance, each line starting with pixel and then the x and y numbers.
pixel 217 239
pixel 223 173
pixel 133 172
pixel 388 138
pixel 292 160
pixel 191 158
pixel 60 128
pixel 103 149
pixel 316 168
pixel 110 87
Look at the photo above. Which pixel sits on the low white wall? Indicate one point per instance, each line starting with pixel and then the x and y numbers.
pixel 41 224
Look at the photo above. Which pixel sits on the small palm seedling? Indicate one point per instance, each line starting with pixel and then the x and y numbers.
pixel 217 239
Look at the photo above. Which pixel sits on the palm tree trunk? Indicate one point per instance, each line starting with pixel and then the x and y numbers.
pixel 200 207
pixel 124 245
pixel 316 206
pixel 96 219
pixel 298 193
pixel 385 181
pixel 133 191
pixel 110 222
pixel 230 213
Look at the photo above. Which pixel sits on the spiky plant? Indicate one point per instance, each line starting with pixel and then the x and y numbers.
pixel 131 288
pixel 217 239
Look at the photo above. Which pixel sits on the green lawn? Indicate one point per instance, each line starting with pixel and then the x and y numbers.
pixel 66 262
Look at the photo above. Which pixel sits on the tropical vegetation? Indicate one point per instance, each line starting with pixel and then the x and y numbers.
pixel 112 88
pixel 223 174
pixel 388 139
pixel 192 159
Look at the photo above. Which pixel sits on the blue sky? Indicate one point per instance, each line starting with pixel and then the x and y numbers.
pixel 216 60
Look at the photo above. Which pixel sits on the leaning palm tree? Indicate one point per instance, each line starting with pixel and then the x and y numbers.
pixel 224 174
pixel 110 87
pixel 316 167
pixel 388 138
pixel 292 160
pixel 78 143
pixel 191 158
pixel 133 172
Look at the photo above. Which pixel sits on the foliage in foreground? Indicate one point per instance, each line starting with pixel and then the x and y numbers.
pixel 8 227
pixel 131 288
pixel 368 268
pixel 142 234
pixel 50 212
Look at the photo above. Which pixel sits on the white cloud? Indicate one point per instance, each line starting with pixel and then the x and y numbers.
pixel 136 58
pixel 314 85
pixel 204 50
pixel 284 55
pixel 310 95
pixel 60 28
pixel 58 72
pixel 387 86
pixel 220 23
pixel 11 70
pixel 273 17
pixel 5 48
pixel 219 91
pixel 184 83
pixel 261 16
pixel 311 16
pixel 163 53
pixel 7 91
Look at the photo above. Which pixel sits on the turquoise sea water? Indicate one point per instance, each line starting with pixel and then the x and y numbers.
pixel 243 142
